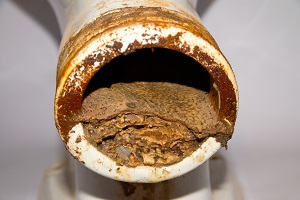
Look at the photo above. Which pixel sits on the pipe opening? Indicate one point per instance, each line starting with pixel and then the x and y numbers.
pixel 151 65
pixel 151 108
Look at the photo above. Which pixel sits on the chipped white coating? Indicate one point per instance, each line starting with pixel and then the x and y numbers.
pixel 99 163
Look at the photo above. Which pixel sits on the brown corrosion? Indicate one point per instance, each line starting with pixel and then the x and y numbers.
pixel 69 105
pixel 150 123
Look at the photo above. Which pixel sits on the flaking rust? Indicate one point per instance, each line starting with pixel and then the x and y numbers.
pixel 71 90
pixel 152 123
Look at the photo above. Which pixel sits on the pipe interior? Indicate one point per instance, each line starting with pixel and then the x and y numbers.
pixel 151 65
pixel 156 112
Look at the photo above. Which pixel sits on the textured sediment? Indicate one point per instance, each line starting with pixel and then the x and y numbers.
pixel 150 123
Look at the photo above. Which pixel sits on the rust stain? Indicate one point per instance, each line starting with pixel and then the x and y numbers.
pixel 69 105
pixel 78 139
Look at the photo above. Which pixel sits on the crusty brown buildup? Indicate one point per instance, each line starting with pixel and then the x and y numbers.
pixel 150 123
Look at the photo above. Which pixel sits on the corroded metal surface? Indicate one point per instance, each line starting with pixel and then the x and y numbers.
pixel 121 32
pixel 73 79
pixel 150 123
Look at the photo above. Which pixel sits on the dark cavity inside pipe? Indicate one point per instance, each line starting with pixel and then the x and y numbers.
pixel 152 65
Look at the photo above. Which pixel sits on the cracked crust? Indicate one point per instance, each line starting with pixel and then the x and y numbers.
pixel 150 123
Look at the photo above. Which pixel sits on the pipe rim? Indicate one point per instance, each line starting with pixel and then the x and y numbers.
pixel 122 40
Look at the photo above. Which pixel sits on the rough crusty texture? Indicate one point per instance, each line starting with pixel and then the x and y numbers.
pixel 150 123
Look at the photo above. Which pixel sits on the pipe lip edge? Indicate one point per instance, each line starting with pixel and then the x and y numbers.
pixel 125 40
pixel 86 60
pixel 93 159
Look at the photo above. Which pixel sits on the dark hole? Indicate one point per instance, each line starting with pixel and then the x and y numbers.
pixel 135 126
pixel 151 65
pixel 111 137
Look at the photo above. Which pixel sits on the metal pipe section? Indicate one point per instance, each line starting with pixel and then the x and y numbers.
pixel 144 93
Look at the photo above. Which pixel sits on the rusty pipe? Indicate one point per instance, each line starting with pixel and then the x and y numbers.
pixel 117 97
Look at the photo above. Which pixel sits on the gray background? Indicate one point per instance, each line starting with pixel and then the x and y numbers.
pixel 260 38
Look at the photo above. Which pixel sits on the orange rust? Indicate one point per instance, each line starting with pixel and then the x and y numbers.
pixel 159 16
pixel 69 106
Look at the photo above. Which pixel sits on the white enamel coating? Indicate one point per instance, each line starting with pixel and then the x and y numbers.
pixel 98 162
